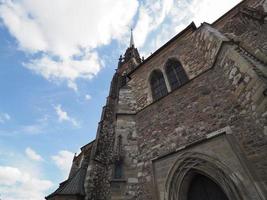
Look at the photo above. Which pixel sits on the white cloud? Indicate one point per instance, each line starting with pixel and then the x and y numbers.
pixel 151 14
pixel 4 117
pixel 17 184
pixel 73 85
pixel 63 161
pixel 37 127
pixel 209 10
pixel 63 116
pixel 66 69
pixel 32 129
pixel 9 175
pixel 156 26
pixel 88 97
pixel 32 154
pixel 63 35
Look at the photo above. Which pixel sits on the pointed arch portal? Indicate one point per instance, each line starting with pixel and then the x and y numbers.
pixel 196 176
pixel 203 188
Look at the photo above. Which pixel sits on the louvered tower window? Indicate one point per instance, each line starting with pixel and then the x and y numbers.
pixel 158 85
pixel 175 73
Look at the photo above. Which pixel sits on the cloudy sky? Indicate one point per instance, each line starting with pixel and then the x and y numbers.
pixel 57 58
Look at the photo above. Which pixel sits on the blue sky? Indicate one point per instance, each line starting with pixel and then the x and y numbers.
pixel 57 59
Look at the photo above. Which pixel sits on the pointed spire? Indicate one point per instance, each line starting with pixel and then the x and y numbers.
pixel 131 40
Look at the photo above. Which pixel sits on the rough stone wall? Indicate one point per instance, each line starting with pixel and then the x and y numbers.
pixel 207 103
pixel 248 89
pixel 196 51
pixel 98 185
pixel 98 173
pixel 97 180
pixel 127 103
pixel 225 89
pixel 230 94
pixel 126 129
pixel 248 26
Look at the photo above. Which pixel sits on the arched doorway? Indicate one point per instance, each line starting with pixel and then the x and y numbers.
pixel 196 176
pixel 203 188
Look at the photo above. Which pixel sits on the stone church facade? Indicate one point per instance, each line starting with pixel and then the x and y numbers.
pixel 189 122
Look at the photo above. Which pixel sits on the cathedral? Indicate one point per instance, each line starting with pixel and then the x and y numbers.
pixel 187 123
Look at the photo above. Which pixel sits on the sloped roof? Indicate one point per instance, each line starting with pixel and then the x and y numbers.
pixel 72 186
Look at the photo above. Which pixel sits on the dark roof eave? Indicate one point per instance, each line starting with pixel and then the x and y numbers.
pixel 87 144
pixel 52 195
pixel 68 181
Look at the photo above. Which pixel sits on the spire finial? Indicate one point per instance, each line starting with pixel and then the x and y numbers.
pixel 131 40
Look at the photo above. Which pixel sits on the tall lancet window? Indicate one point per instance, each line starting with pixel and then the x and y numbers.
pixel 118 170
pixel 175 73
pixel 158 85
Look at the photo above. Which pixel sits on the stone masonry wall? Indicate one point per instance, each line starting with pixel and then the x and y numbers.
pixel 211 101
pixel 196 52
pixel 98 175
pixel 233 93
pixel 126 130
pixel 248 26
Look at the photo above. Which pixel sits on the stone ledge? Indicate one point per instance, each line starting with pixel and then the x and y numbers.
pixel 119 180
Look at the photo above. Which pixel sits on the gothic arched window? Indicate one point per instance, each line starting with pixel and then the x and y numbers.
pixel 158 85
pixel 175 73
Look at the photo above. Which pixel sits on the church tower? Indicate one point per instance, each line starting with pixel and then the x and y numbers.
pixel 189 119
pixel 131 58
